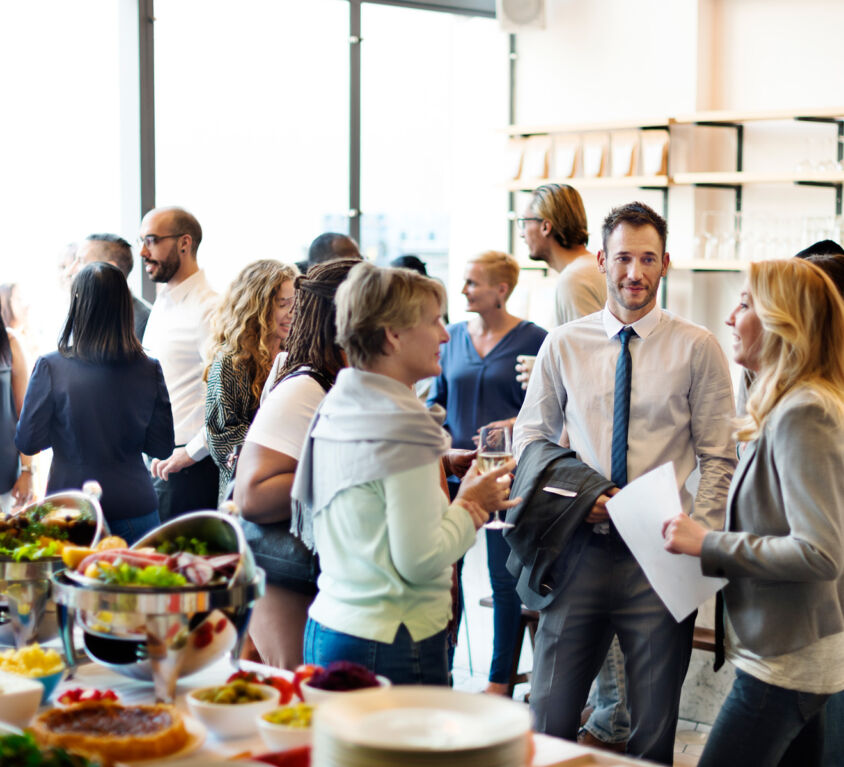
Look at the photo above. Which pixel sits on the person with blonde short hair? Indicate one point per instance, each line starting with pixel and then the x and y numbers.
pixel 367 488
pixel 477 387
pixel 782 547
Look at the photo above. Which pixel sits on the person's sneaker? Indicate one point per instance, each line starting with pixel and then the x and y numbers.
pixel 586 738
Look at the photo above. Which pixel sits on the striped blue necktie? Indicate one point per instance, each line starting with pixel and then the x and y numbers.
pixel 621 409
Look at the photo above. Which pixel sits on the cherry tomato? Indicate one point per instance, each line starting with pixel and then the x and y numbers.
pixel 302 674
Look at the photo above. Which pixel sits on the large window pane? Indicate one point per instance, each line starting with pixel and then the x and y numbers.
pixel 434 98
pixel 60 154
pixel 252 124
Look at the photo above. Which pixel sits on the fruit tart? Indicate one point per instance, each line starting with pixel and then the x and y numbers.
pixel 111 731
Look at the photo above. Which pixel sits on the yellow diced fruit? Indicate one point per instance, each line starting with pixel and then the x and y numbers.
pixel 111 542
pixel 92 571
pixel 73 555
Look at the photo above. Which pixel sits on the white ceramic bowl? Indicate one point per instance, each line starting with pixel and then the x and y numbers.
pixel 20 697
pixel 281 737
pixel 318 695
pixel 232 720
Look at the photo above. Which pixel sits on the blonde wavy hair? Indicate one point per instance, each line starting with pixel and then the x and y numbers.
pixel 802 316
pixel 243 327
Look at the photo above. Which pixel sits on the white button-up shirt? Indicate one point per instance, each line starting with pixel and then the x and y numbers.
pixel 177 335
pixel 681 402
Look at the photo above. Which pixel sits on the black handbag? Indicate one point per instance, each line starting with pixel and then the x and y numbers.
pixel 285 559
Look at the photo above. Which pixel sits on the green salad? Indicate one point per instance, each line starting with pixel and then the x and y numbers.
pixel 23 751
pixel 123 574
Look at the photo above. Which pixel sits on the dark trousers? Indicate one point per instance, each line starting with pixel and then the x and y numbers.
pixel 764 725
pixel 506 607
pixel 190 489
pixel 608 593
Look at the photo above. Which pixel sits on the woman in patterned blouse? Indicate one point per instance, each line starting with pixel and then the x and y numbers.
pixel 250 329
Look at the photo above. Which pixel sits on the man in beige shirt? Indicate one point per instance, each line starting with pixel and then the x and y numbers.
pixel 554 229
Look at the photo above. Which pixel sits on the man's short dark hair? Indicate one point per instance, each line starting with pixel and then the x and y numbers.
pixel 821 248
pixel 637 214
pixel 410 261
pixel 322 248
pixel 117 250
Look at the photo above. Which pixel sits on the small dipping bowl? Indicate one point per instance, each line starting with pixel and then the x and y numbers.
pixel 232 720
pixel 281 737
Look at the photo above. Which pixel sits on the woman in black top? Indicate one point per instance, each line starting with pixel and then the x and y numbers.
pixel 99 402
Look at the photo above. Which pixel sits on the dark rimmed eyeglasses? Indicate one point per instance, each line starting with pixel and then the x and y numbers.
pixel 153 239
pixel 520 222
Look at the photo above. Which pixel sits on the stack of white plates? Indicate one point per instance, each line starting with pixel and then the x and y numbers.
pixel 418 727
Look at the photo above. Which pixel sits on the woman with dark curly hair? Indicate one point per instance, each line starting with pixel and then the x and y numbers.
pixel 270 455
pixel 250 329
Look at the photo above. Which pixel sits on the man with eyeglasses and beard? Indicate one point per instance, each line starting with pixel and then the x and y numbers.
pixel 177 333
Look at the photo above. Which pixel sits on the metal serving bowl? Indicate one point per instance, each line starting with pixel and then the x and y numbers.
pixel 180 631
pixel 161 634
pixel 219 529
pixel 26 585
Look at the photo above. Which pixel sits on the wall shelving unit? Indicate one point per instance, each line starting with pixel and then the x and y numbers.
pixel 735 179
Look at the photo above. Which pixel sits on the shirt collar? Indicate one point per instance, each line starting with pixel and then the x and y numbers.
pixel 184 288
pixel 643 327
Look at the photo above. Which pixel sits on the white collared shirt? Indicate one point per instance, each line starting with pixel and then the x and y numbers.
pixel 177 334
pixel 681 402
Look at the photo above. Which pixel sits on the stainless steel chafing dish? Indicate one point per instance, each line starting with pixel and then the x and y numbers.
pixel 162 634
pixel 25 585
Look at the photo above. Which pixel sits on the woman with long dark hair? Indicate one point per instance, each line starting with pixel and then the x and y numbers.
pixel 99 402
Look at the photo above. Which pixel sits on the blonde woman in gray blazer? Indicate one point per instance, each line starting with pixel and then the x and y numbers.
pixel 783 546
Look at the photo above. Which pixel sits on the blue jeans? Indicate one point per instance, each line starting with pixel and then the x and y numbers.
pixel 765 726
pixel 610 719
pixel 833 745
pixel 506 608
pixel 402 662
pixel 134 528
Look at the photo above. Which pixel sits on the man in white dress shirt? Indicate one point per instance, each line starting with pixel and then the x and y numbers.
pixel 679 404
pixel 177 334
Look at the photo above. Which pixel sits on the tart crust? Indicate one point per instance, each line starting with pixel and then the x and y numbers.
pixel 111 731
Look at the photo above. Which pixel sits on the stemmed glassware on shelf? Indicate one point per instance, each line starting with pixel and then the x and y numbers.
pixel 495 448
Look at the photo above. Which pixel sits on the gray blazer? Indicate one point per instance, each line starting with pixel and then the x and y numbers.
pixel 785 521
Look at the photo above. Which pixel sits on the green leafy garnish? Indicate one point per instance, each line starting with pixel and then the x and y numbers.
pixel 23 751
pixel 124 574
pixel 182 543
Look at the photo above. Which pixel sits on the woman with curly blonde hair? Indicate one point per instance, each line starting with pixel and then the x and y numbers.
pixel 250 329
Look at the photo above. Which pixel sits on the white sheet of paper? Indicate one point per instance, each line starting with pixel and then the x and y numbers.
pixel 638 512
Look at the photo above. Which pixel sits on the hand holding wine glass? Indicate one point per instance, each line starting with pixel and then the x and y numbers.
pixel 494 451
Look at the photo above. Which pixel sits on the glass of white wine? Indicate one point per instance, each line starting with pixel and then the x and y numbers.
pixel 495 448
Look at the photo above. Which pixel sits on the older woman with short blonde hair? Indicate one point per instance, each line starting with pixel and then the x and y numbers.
pixel 368 493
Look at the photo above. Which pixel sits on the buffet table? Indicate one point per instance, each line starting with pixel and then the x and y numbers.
pixel 549 751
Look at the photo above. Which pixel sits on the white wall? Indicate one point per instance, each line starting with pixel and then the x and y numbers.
pixel 618 59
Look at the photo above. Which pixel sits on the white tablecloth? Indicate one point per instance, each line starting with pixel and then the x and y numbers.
pixel 549 751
